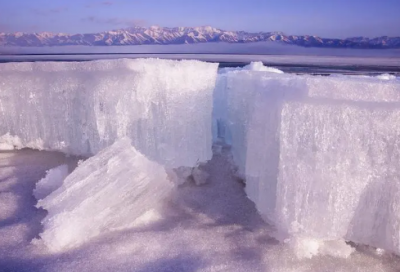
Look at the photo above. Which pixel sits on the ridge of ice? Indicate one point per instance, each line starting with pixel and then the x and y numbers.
pixel 104 193
pixel 79 108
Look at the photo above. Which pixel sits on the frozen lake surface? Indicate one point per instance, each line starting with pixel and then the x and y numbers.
pixel 286 57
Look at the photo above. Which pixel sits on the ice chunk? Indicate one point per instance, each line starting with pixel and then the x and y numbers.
pixel 386 76
pixel 179 175
pixel 309 247
pixel 234 100
pixel 253 66
pixel 8 142
pixel 106 192
pixel 320 155
pixel 259 66
pixel 163 106
pixel 52 181
pixel 6 146
pixel 183 174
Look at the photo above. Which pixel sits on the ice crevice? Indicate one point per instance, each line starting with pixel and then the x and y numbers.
pixel 319 155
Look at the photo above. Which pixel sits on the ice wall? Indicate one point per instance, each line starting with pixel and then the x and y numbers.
pixel 320 155
pixel 79 108
pixel 233 104
pixel 104 193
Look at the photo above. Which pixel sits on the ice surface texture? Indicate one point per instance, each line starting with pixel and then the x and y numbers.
pixel 106 192
pixel 52 181
pixel 233 102
pixel 320 154
pixel 79 108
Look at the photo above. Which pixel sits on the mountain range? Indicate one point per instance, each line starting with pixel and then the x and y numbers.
pixel 187 35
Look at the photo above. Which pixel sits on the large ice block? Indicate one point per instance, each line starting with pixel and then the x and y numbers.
pixel 233 105
pixel 104 193
pixel 79 108
pixel 320 154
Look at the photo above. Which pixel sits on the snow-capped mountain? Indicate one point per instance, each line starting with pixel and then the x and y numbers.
pixel 182 35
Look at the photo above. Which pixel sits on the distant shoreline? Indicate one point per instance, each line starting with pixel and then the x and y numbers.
pixel 319 65
pixel 191 35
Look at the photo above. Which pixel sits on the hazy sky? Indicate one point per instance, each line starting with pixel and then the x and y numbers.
pixel 327 18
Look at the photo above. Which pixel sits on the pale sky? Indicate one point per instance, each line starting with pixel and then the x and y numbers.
pixel 326 18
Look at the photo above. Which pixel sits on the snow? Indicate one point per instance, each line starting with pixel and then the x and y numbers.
pixel 79 108
pixel 104 193
pixel 319 155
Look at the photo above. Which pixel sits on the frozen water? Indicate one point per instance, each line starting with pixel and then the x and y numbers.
pixel 52 181
pixel 319 155
pixel 9 142
pixel 306 248
pixel 259 66
pixel 79 108
pixel 104 193
pixel 253 66
pixel 386 77
pixel 233 102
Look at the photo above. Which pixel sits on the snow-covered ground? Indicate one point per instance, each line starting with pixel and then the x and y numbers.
pixel 213 227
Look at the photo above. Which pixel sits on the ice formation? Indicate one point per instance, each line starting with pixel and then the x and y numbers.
pixel 386 77
pixel 253 66
pixel 233 102
pixel 104 193
pixel 51 182
pixel 184 174
pixel 319 154
pixel 79 108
